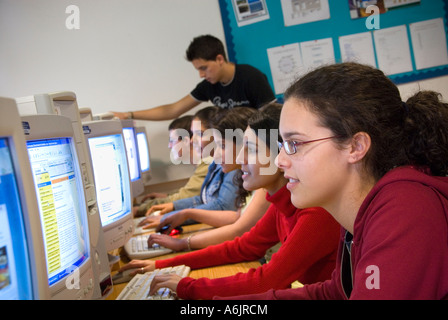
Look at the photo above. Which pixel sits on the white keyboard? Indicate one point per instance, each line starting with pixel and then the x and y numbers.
pixel 137 248
pixel 139 230
pixel 138 287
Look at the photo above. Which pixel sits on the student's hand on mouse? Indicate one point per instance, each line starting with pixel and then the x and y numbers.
pixel 167 242
pixel 169 281
pixel 142 266
pixel 150 222
pixel 163 208
pixel 172 220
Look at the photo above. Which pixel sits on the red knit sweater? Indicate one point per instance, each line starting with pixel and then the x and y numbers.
pixel 309 240
pixel 401 230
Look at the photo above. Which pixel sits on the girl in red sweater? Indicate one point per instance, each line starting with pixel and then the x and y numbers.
pixel 308 236
pixel 379 166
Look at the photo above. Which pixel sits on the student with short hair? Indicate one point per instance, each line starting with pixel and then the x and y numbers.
pixel 222 192
pixel 226 84
pixel 180 137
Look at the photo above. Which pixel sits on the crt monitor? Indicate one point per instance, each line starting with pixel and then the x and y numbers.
pixel 65 103
pixel 130 139
pixel 62 205
pixel 112 182
pixel 22 269
pixel 144 155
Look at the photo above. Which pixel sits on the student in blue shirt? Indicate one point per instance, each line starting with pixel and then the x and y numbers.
pixel 222 188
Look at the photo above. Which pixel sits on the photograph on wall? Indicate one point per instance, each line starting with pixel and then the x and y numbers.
pixel 395 4
pixel 250 11
pixel 304 11
pixel 358 8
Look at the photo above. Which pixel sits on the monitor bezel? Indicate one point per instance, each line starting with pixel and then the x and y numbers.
pixel 45 126
pixel 124 226
pixel 11 128
pixel 137 185
pixel 146 175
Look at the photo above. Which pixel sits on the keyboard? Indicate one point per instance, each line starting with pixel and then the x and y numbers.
pixel 139 230
pixel 138 287
pixel 137 248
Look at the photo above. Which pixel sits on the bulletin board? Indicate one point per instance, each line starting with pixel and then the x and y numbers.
pixel 249 43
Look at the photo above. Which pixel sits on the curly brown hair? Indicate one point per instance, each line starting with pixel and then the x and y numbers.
pixel 349 98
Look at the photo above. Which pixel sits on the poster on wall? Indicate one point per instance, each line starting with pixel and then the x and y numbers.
pixel 358 48
pixel 429 43
pixel 250 11
pixel 286 65
pixel 316 53
pixel 392 49
pixel 289 62
pixel 304 11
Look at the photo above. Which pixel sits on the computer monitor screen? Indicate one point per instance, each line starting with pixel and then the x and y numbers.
pixel 111 177
pixel 61 205
pixel 143 150
pixel 132 152
pixel 15 278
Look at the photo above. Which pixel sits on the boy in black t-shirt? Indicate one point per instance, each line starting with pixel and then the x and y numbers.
pixel 225 84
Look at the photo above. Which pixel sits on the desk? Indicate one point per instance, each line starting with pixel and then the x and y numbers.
pixel 212 272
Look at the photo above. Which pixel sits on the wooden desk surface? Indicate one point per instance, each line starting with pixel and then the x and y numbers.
pixel 212 272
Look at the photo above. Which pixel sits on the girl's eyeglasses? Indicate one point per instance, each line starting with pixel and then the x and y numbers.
pixel 291 146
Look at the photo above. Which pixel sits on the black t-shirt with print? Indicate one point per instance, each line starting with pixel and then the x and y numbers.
pixel 249 88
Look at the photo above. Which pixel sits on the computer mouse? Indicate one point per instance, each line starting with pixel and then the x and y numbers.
pixel 176 231
pixel 164 229
pixel 173 232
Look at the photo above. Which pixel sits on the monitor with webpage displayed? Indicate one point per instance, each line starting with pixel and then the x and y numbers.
pixel 113 185
pixel 62 205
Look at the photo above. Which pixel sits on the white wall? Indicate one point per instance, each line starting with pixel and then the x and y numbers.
pixel 127 55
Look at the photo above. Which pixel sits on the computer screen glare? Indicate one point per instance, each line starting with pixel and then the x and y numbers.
pixel 143 151
pixel 132 152
pixel 111 177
